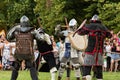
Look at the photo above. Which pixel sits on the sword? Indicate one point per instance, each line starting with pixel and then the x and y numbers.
pixel 38 19
pixel 66 22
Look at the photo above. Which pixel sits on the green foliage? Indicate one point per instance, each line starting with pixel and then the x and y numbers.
pixel 3 19
pixel 50 13
pixel 18 9
pixel 53 12
pixel 25 75
pixel 110 15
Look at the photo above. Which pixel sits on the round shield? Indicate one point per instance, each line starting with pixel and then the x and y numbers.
pixel 78 42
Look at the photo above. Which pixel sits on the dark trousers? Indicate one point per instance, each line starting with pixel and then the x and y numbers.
pixel 108 63
pixel 98 71
pixel 50 59
pixel 29 64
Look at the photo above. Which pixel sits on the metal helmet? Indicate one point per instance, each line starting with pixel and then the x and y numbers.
pixel 40 30
pixel 95 18
pixel 24 21
pixel 72 22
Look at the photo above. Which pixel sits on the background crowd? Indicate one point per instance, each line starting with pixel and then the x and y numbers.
pixel 111 53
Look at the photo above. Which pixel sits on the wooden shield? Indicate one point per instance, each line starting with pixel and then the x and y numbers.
pixel 78 42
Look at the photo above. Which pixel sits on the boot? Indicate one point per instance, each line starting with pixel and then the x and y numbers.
pixel 88 77
pixel 53 73
pixel 78 78
pixel 59 78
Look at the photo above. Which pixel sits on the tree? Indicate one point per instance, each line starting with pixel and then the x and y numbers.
pixel 19 8
pixel 53 12
pixel 3 22
pixel 57 10
pixel 110 15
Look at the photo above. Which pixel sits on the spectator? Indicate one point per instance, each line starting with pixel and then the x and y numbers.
pixel 37 58
pixel 108 53
pixel 1 44
pixel 115 56
pixel 55 50
pixel 105 62
pixel 7 50
pixel 11 58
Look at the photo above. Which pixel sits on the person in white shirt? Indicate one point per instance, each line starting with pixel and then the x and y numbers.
pixel 108 54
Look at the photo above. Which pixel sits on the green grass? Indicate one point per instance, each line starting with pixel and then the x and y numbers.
pixel 24 75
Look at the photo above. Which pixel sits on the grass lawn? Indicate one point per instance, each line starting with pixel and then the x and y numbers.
pixel 24 75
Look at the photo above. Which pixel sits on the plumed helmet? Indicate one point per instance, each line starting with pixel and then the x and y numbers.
pixel 72 22
pixel 95 18
pixel 24 21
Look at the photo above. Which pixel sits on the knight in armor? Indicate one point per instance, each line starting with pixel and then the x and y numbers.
pixel 24 36
pixel 97 33
pixel 45 48
pixel 70 54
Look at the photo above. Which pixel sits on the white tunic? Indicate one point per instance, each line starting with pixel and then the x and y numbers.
pixel 6 53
